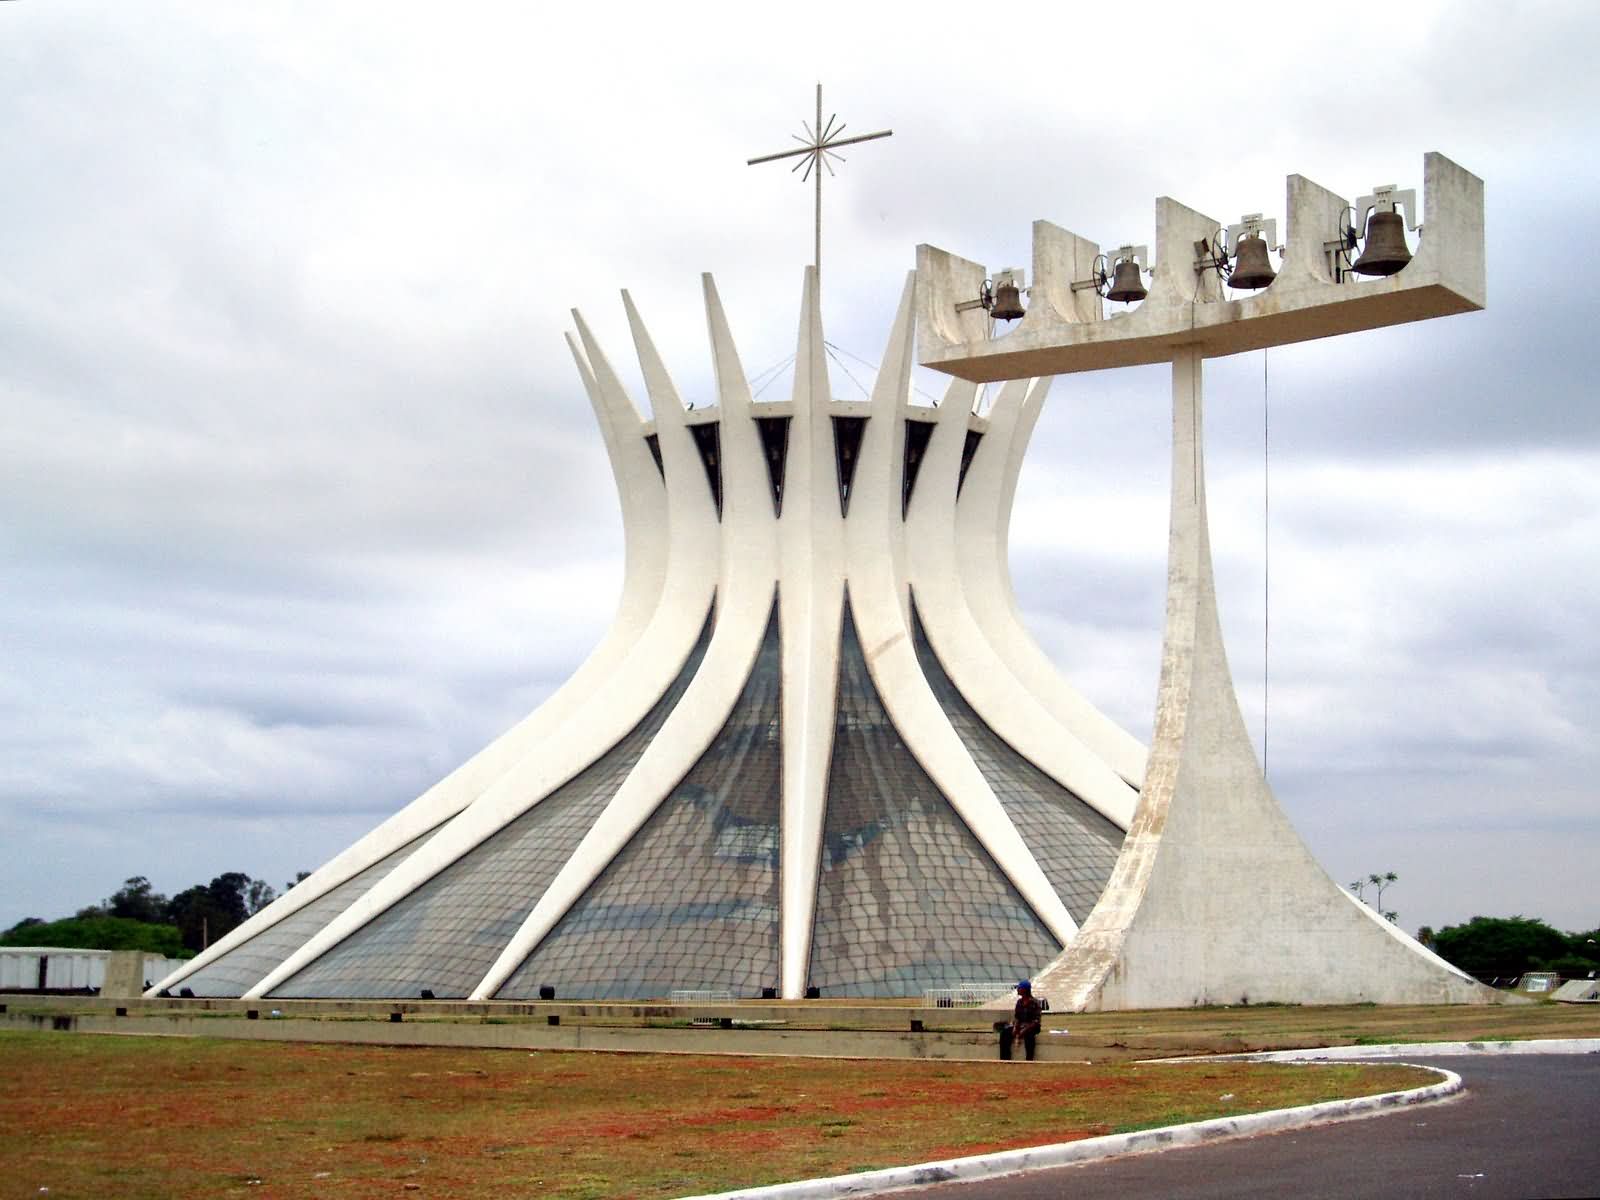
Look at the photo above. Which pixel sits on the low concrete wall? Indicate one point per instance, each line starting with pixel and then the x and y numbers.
pixel 534 1035
pixel 892 1018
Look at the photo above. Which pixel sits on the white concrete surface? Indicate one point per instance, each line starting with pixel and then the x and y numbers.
pixel 683 554
pixel 1215 899
pixel 982 531
pixel 1065 331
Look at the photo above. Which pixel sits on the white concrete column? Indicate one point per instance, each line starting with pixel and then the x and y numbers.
pixel 746 576
pixel 885 638
pixel 622 696
pixel 982 677
pixel 810 588
pixel 983 527
pixel 1215 899
pixel 644 527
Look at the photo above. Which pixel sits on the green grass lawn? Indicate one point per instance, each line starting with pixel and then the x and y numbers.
pixel 127 1117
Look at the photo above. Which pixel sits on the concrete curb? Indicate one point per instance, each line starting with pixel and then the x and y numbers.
pixel 1423 1049
pixel 1037 1158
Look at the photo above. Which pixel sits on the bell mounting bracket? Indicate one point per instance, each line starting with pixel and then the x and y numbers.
pixel 985 300
pixel 1066 331
pixel 1105 264
pixel 1353 223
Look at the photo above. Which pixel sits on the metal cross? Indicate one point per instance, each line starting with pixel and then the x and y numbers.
pixel 817 147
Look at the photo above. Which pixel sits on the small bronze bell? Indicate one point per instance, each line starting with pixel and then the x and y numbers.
pixel 1385 251
pixel 1127 286
pixel 1251 268
pixel 1007 302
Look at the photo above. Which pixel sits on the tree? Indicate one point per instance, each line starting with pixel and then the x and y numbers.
pixel 198 919
pixel 137 901
pixel 1582 956
pixel 231 891
pixel 97 933
pixel 299 877
pixel 258 895
pixel 1380 882
pixel 204 914
pixel 1490 947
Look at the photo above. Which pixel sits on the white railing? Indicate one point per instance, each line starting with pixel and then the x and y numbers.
pixel 700 996
pixel 966 995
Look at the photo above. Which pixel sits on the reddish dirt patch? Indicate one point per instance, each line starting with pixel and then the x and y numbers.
pixel 159 1119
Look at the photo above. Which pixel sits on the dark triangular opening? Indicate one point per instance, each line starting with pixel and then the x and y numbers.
pixel 969 449
pixel 775 449
pixel 654 443
pixel 708 440
pixel 847 435
pixel 917 435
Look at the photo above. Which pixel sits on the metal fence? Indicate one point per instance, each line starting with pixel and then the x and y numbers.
pixel 700 996
pixel 966 995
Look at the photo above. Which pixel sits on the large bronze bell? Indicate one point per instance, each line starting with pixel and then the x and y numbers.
pixel 1252 269
pixel 1127 286
pixel 1007 302
pixel 1385 251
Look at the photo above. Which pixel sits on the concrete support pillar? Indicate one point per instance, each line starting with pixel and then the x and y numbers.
pixel 1215 899
pixel 124 975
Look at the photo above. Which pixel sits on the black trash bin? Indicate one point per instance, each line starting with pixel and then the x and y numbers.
pixel 1003 1028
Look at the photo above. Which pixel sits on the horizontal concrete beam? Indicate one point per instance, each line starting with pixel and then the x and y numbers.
pixel 1066 331
pixel 533 1035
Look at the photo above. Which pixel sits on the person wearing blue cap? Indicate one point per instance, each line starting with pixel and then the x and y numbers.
pixel 1025 1021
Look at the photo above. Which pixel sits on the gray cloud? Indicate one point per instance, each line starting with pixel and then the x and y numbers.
pixel 303 502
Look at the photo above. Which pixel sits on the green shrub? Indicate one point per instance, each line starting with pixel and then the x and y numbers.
pixel 99 933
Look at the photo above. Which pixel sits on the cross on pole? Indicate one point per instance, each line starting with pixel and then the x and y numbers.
pixel 815 149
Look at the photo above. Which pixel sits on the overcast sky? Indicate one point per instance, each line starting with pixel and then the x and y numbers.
pixel 301 501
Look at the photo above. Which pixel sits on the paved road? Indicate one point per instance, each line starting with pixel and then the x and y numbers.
pixel 1529 1125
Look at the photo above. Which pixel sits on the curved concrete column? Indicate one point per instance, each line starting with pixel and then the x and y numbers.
pixel 1215 899
pixel 810 585
pixel 644 518
pixel 703 526
pixel 747 573
pixel 880 616
pixel 622 698
pixel 984 679
pixel 983 529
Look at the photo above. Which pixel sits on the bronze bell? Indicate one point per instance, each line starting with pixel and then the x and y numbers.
pixel 1007 302
pixel 1385 251
pixel 1251 269
pixel 1127 286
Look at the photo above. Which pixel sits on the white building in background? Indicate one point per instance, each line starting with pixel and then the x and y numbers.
pixel 69 968
pixel 818 750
